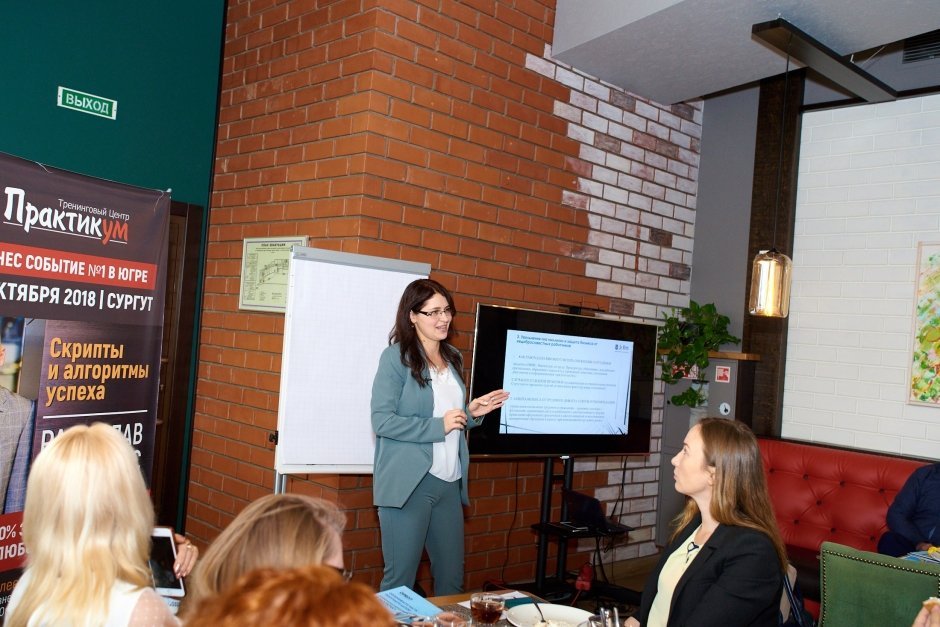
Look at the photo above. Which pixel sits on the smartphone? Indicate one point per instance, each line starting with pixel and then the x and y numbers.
pixel 162 558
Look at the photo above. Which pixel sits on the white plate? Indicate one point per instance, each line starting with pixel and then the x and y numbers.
pixel 528 616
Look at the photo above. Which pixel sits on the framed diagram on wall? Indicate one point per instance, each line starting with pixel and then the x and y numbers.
pixel 925 360
pixel 265 264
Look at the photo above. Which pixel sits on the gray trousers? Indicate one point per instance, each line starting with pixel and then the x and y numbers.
pixel 431 518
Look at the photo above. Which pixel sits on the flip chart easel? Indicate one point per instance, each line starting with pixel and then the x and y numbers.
pixel 340 309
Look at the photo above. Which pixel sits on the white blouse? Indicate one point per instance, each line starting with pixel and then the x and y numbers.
pixel 447 395
pixel 129 606
pixel 675 566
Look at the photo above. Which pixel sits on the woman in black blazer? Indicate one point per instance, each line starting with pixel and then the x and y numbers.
pixel 725 562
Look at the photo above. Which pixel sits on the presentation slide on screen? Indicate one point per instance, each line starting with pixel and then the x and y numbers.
pixel 563 384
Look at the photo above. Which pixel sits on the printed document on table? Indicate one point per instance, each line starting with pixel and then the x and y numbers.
pixel 404 603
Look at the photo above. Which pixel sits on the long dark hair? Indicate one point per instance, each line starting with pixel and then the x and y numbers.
pixel 739 496
pixel 412 355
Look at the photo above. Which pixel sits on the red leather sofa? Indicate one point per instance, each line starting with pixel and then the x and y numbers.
pixel 824 493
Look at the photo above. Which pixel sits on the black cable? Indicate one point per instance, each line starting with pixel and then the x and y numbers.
pixel 600 559
pixel 623 480
pixel 611 540
pixel 783 125
pixel 512 523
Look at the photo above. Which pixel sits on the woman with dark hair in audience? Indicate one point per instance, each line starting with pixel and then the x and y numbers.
pixel 86 528
pixel 419 414
pixel 312 596
pixel 725 564
pixel 277 531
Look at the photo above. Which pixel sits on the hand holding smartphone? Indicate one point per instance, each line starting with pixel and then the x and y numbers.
pixel 162 558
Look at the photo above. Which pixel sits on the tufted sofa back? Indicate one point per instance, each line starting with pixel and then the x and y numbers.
pixel 821 493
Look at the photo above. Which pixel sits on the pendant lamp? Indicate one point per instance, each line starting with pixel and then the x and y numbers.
pixel 770 272
pixel 770 284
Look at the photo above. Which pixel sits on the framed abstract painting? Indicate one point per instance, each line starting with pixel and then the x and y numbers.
pixel 925 360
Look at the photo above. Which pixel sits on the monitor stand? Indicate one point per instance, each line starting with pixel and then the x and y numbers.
pixel 557 589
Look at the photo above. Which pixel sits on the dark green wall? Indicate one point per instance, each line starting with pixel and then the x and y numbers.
pixel 159 60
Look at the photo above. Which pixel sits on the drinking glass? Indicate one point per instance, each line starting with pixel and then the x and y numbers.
pixel 486 607
pixel 600 620
pixel 450 619
pixel 423 621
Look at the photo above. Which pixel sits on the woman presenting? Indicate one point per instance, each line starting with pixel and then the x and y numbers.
pixel 419 414
pixel 724 566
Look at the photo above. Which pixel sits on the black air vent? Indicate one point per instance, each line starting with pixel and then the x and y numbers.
pixel 922 47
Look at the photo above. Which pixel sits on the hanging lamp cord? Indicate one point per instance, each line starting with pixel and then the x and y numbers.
pixel 783 125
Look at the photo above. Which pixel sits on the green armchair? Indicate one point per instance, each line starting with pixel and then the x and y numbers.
pixel 863 588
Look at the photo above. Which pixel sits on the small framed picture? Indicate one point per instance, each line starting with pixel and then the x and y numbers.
pixel 722 374
pixel 265 264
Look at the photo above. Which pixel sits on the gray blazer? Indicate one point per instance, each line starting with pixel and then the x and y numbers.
pixel 16 413
pixel 405 430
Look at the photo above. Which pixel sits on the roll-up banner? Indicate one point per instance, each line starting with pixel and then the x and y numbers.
pixel 82 283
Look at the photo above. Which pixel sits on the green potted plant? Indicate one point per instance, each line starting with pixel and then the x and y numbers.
pixel 685 340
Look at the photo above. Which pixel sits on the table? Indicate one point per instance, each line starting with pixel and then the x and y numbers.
pixel 451 603
pixel 450 599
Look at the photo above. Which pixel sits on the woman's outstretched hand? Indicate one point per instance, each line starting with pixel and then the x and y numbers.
pixel 483 405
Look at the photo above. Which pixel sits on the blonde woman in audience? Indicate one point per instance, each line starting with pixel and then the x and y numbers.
pixel 86 529
pixel 725 562
pixel 311 596
pixel 277 531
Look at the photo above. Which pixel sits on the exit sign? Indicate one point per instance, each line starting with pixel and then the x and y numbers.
pixel 87 103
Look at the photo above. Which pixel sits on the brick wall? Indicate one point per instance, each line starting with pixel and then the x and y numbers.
pixel 869 191
pixel 440 132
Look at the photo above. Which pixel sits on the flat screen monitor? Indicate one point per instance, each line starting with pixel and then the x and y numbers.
pixel 579 385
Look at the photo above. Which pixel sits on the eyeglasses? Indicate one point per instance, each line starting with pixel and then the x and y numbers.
pixel 446 312
pixel 345 574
